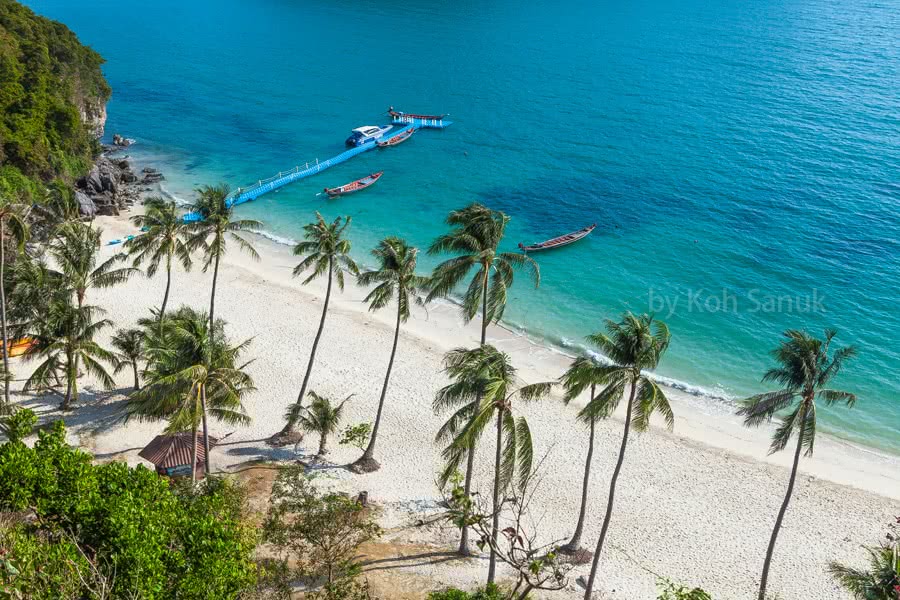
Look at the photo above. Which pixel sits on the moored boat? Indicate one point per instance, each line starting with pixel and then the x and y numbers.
pixel 354 186
pixel 20 346
pixel 558 242
pixel 367 134
pixel 397 139
pixel 417 120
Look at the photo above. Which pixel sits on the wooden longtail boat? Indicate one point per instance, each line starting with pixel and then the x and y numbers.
pixel 20 346
pixel 397 139
pixel 558 242
pixel 397 114
pixel 355 186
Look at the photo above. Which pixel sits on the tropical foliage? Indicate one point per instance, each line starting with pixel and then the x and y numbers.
pixel 321 416
pixel 129 352
pixel 881 581
pixel 143 539
pixel 12 224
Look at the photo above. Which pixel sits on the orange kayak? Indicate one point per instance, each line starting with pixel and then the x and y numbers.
pixel 20 346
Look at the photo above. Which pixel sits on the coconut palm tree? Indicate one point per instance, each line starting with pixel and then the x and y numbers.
pixel 880 582
pixel 129 345
pixel 64 339
pixel 584 373
pixel 13 225
pixel 475 236
pixel 211 232
pixel 485 376
pixel 321 417
pixel 805 367
pixel 165 238
pixel 633 345
pixel 192 374
pixel 394 277
pixel 325 251
pixel 75 250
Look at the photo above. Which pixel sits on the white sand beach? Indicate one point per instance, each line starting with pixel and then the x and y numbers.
pixel 696 505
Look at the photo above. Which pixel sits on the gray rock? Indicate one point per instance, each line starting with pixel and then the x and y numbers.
pixel 86 206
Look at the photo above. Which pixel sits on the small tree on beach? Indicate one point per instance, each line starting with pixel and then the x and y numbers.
pixel 395 277
pixel 64 339
pixel 165 239
pixel 475 236
pixel 321 417
pixel 484 384
pixel 14 228
pixel 881 581
pixel 584 373
pixel 806 366
pixel 192 374
pixel 325 251
pixel 212 231
pixel 129 345
pixel 633 345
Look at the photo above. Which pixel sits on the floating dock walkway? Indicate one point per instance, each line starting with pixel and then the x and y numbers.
pixel 264 186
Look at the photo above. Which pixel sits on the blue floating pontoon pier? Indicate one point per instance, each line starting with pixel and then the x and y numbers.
pixel 264 186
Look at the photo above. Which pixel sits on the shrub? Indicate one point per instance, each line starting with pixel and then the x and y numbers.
pixel 670 591
pixel 489 592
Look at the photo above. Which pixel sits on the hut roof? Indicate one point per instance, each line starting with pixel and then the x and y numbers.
pixel 174 449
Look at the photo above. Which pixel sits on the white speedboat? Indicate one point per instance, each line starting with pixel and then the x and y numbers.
pixel 367 134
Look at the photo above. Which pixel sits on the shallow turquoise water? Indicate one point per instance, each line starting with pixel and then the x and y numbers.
pixel 730 152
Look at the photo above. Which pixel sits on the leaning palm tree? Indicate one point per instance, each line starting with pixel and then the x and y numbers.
pixel 321 417
pixel 805 368
pixel 192 374
pixel 633 345
pixel 165 238
pixel 475 240
pixel 484 384
pixel 325 251
pixel 129 345
pixel 584 373
pixel 64 339
pixel 13 225
pixel 211 232
pixel 395 277
pixel 75 250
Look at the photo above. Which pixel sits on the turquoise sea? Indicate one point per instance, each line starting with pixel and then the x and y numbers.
pixel 741 159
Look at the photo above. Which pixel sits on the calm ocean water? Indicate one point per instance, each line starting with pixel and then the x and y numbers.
pixel 731 153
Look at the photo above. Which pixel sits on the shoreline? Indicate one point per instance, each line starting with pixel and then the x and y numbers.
pixel 696 416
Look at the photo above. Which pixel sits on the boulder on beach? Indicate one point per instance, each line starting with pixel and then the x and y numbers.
pixel 86 206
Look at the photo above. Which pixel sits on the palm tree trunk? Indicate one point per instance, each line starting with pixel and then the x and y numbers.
pixel 162 309
pixel 575 542
pixel 194 458
pixel 212 299
pixel 6 375
pixel 367 462
pixel 787 498
pixel 137 380
pixel 612 494
pixel 205 430
pixel 495 516
pixel 289 426
pixel 67 400
pixel 323 440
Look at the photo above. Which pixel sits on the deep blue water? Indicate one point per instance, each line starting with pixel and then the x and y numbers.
pixel 730 151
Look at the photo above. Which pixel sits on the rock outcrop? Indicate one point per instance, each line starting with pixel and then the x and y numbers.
pixel 111 186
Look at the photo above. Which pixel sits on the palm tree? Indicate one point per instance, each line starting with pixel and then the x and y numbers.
pixel 475 236
pixel 213 230
pixel 192 373
pixel 635 344
pixel 12 221
pixel 129 344
pixel 880 582
pixel 321 417
pixel 75 250
pixel 64 339
pixel 484 383
pixel 395 277
pixel 165 238
pixel 804 369
pixel 326 252
pixel 584 373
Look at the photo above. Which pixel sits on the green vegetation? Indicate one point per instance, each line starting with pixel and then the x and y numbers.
pixel 805 367
pixel 48 82
pixel 114 527
pixel 489 592
pixel 881 581
pixel 12 220
pixel 671 591
pixel 321 416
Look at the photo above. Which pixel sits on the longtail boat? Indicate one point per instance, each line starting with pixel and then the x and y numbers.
pixel 558 242
pixel 419 121
pixel 20 346
pixel 355 186
pixel 397 114
pixel 397 139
